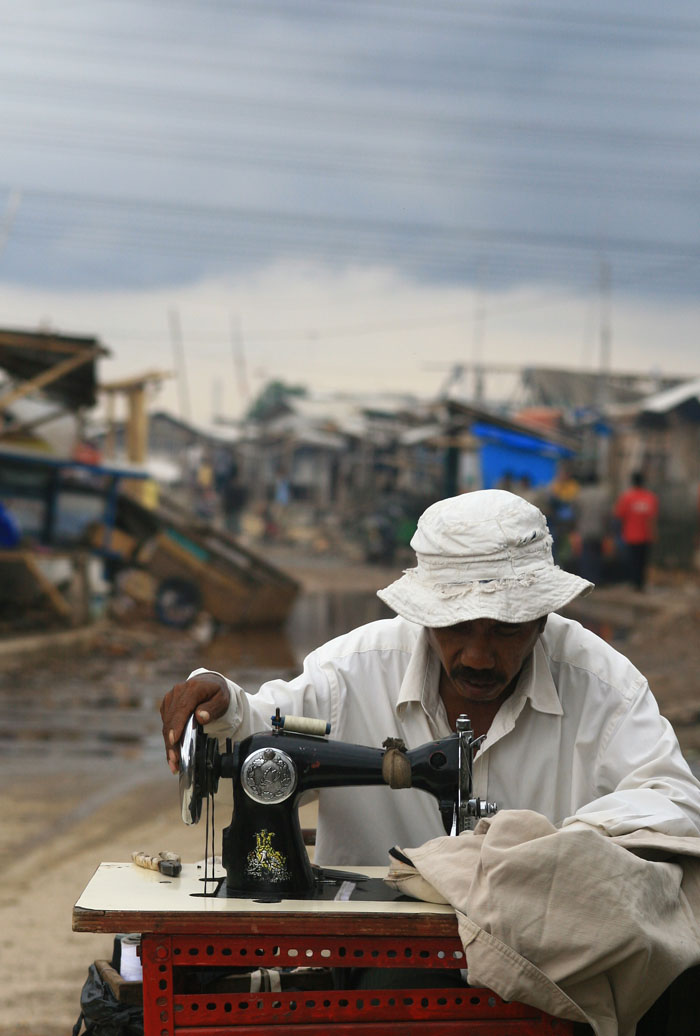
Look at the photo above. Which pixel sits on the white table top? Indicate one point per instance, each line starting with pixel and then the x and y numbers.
pixel 125 888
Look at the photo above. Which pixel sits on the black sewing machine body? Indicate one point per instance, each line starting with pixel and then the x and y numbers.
pixel 263 852
pixel 263 846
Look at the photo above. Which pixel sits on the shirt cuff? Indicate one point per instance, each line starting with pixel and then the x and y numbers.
pixel 228 724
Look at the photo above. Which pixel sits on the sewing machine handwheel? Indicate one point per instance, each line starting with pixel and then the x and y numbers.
pixel 192 771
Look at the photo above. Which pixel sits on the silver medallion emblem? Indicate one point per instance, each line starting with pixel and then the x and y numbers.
pixel 269 775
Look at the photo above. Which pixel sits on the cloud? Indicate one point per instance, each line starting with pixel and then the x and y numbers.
pixel 484 143
pixel 351 185
pixel 357 329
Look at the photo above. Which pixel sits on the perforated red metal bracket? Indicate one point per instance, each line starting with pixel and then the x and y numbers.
pixel 418 1012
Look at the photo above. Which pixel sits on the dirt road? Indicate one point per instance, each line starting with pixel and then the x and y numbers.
pixel 82 766
pixel 84 780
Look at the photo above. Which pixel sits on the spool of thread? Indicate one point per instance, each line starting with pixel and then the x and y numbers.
pixel 305 725
pixel 130 967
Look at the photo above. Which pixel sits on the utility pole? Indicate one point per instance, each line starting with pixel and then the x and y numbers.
pixel 179 359
pixel 478 335
pixel 603 387
pixel 11 209
pixel 605 322
pixel 217 400
pixel 239 364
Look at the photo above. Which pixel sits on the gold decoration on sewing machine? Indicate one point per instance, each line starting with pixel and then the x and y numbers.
pixel 264 863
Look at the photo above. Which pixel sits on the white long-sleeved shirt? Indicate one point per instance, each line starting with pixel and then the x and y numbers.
pixel 579 740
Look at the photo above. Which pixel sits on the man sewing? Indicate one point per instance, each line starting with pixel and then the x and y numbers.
pixel 572 729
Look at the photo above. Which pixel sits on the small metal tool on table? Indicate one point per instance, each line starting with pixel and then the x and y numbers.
pixel 166 863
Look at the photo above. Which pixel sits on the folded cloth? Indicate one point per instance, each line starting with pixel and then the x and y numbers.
pixel 576 923
pixel 404 877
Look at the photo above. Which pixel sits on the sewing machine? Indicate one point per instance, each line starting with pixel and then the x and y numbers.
pixel 263 852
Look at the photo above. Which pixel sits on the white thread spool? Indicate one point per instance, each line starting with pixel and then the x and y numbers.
pixel 305 725
pixel 130 967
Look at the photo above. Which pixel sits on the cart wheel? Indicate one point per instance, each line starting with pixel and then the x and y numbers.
pixel 177 603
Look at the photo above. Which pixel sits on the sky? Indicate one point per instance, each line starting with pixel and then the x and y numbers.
pixel 352 195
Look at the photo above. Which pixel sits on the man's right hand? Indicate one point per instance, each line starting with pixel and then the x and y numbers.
pixel 208 698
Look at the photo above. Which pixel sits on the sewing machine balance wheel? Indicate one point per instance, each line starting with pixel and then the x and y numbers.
pixel 196 776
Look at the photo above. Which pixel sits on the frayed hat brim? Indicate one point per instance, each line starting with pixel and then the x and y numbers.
pixel 518 599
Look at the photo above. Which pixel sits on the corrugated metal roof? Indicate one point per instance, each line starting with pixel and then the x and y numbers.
pixel 662 402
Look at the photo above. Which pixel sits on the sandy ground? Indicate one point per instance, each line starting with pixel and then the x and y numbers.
pixel 84 780
pixel 82 766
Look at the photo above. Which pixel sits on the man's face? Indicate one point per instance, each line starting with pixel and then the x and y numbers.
pixel 482 658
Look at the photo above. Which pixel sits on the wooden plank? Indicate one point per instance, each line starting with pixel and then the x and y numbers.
pixel 26 561
pixel 27 426
pixel 124 991
pixel 43 341
pixel 138 381
pixel 113 540
pixel 46 377
pixel 137 425
pixel 224 543
pixel 244 923
pixel 230 595
pixel 53 595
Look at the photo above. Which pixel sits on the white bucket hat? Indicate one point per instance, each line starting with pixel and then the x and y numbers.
pixel 482 555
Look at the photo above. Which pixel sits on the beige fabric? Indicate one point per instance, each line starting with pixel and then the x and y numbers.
pixel 576 923
pixel 265 980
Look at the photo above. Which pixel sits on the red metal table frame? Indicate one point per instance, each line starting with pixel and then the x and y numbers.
pixel 292 936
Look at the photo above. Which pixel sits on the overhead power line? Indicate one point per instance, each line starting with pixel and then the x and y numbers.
pixel 505 17
pixel 374 227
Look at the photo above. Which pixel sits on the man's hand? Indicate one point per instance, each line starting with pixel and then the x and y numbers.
pixel 204 696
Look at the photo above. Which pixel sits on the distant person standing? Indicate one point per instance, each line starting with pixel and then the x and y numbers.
pixel 234 496
pixel 592 511
pixel 561 515
pixel 637 510
pixel 10 532
pixel 534 494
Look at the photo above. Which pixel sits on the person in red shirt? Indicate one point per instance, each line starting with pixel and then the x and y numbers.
pixel 637 510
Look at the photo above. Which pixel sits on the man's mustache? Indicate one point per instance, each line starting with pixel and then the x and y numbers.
pixel 476 676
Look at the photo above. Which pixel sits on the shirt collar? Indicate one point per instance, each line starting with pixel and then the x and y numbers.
pixel 421 679
pixel 536 683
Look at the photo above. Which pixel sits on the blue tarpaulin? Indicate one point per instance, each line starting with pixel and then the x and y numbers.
pixel 508 454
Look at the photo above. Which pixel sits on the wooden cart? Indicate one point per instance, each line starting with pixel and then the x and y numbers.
pixel 200 567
